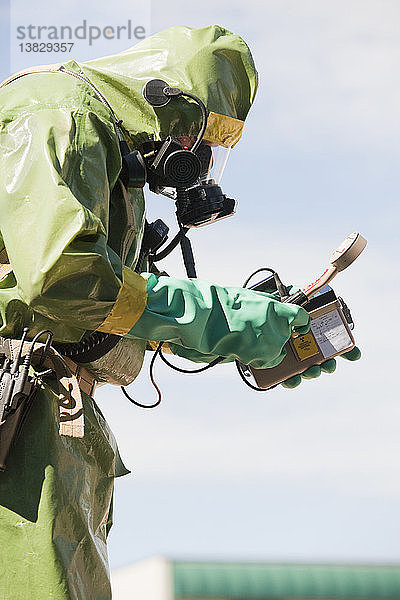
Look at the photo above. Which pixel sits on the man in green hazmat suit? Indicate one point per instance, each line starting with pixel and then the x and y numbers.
pixel 71 233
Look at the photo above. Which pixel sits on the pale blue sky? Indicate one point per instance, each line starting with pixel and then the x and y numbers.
pixel 310 474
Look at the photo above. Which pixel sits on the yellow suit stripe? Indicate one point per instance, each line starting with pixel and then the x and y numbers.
pixel 129 305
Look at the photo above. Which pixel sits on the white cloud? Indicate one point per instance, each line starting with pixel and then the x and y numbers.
pixel 327 74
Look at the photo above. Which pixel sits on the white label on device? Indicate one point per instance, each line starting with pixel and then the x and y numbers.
pixel 330 333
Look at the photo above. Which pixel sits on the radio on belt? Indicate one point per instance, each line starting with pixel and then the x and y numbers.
pixel 331 323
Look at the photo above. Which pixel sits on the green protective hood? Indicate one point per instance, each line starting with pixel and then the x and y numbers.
pixel 210 62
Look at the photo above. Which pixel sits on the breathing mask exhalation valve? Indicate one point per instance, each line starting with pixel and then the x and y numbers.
pixel 172 169
pixel 203 204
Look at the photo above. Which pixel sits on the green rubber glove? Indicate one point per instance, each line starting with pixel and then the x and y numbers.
pixel 328 366
pixel 233 322
pixel 194 355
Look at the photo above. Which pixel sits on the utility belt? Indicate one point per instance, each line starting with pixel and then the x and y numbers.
pixel 24 368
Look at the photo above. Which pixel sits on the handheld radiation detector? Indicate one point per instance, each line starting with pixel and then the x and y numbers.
pixel 331 322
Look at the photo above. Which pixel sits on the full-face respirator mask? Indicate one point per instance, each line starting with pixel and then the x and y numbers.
pixel 187 170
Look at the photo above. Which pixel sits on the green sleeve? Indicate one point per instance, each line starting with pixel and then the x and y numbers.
pixel 58 164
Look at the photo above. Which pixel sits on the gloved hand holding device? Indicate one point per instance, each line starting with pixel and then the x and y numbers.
pixel 330 328
pixel 205 318
pixel 329 366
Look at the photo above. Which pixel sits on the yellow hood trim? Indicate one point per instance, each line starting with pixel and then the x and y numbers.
pixel 223 130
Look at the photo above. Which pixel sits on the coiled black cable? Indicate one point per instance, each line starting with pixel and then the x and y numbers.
pixel 151 371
